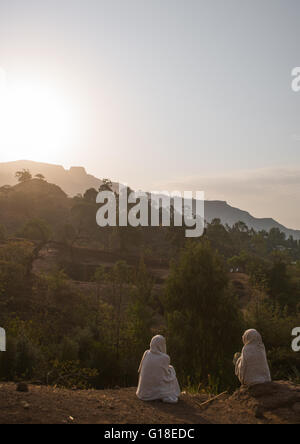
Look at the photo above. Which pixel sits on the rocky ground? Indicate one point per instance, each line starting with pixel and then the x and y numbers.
pixel 275 403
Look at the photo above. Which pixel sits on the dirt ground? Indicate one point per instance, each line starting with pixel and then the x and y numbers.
pixel 47 405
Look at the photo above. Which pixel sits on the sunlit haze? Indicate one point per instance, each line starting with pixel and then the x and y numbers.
pixel 158 94
pixel 36 123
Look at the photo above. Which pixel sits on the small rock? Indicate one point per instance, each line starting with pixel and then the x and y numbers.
pixel 22 387
pixel 25 405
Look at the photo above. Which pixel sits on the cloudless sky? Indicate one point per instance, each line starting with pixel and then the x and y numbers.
pixel 165 90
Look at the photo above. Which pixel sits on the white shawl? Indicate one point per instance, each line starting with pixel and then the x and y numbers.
pixel 157 377
pixel 252 367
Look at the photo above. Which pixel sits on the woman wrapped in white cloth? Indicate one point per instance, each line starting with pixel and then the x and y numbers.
pixel 252 366
pixel 157 378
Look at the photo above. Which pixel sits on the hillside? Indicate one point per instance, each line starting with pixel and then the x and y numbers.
pixel 230 215
pixel 77 300
pixel 77 181
pixel 72 181
pixel 276 403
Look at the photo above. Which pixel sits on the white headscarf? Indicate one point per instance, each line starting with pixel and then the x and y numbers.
pixel 253 337
pixel 158 345
pixel 252 367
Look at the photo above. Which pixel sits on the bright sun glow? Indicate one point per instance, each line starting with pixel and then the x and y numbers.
pixel 35 122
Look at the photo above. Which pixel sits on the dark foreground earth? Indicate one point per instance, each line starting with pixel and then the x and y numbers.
pixel 275 403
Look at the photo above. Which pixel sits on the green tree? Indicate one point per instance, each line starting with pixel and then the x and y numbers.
pixel 204 325
pixel 280 286
pixel 23 176
pixel 40 177
pixel 239 262
pixel 106 185
pixel 220 238
pixel 100 277
pixel 36 229
pixel 140 313
pixel 276 237
pixel 90 195
pixel 120 278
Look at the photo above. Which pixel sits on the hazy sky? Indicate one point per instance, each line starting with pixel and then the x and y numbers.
pixel 189 94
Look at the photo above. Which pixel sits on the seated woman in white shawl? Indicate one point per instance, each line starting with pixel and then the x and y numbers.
pixel 252 366
pixel 157 379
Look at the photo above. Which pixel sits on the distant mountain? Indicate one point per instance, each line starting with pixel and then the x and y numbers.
pixel 76 180
pixel 230 215
pixel 72 181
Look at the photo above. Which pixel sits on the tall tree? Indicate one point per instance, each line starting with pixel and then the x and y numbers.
pixel 23 176
pixel 204 325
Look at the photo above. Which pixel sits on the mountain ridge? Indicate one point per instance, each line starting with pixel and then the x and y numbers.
pixel 73 181
pixel 76 181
